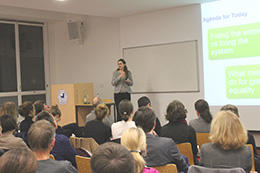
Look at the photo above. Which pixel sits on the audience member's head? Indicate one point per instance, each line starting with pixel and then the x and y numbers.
pixel 125 109
pixel 8 123
pixel 101 111
pixel 145 118
pixel 44 115
pixel 144 101
pixel 202 107
pixel 41 136
pixel 39 106
pixel 112 158
pixel 134 140
pixel 55 111
pixel 227 131
pixel 96 101
pixel 231 108
pixel 18 161
pixel 175 111
pixel 27 110
pixel 9 108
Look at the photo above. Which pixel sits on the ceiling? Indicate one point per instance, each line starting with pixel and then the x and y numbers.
pixel 106 8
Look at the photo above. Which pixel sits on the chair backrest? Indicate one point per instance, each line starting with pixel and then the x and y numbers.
pixel 253 156
pixel 75 142
pixel 202 138
pixel 169 168
pixel 201 169
pixel 52 157
pixel 186 150
pixel 83 164
pixel 87 143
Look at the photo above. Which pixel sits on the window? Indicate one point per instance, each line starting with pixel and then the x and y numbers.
pixel 22 68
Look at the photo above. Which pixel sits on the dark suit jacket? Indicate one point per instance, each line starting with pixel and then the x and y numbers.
pixel 158 127
pixel 161 151
pixel 180 132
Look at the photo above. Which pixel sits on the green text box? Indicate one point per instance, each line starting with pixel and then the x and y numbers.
pixel 243 81
pixel 234 42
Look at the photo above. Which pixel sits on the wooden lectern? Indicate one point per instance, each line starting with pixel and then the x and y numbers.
pixel 67 96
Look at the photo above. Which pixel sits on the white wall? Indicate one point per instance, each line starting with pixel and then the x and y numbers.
pixel 171 25
pixel 93 61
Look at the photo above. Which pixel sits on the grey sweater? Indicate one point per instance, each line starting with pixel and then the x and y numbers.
pixel 120 84
pixel 213 156
pixel 200 125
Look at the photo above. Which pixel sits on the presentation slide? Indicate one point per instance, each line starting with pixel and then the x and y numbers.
pixel 231 52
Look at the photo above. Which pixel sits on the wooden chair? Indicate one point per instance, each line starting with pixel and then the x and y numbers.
pixel 202 138
pixel 169 168
pixel 75 142
pixel 253 156
pixel 52 157
pixel 186 150
pixel 83 164
pixel 87 143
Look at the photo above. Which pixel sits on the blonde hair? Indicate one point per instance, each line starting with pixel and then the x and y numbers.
pixel 228 131
pixel 101 111
pixel 9 108
pixel 134 140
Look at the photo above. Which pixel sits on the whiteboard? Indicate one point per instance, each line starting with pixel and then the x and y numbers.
pixel 171 67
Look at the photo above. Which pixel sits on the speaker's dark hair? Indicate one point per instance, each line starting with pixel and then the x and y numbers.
pixel 125 67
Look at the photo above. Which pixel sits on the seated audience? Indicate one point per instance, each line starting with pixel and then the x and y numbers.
pixel 91 116
pixel 126 113
pixel 250 140
pixel 68 129
pixel 55 111
pixel 112 158
pixel 231 108
pixel 145 101
pixel 160 150
pixel 39 106
pixel 227 148
pixel 9 108
pixel 96 128
pixel 8 141
pixel 41 139
pixel 134 140
pixel 18 161
pixel 27 111
pixel 62 150
pixel 202 123
pixel 177 128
